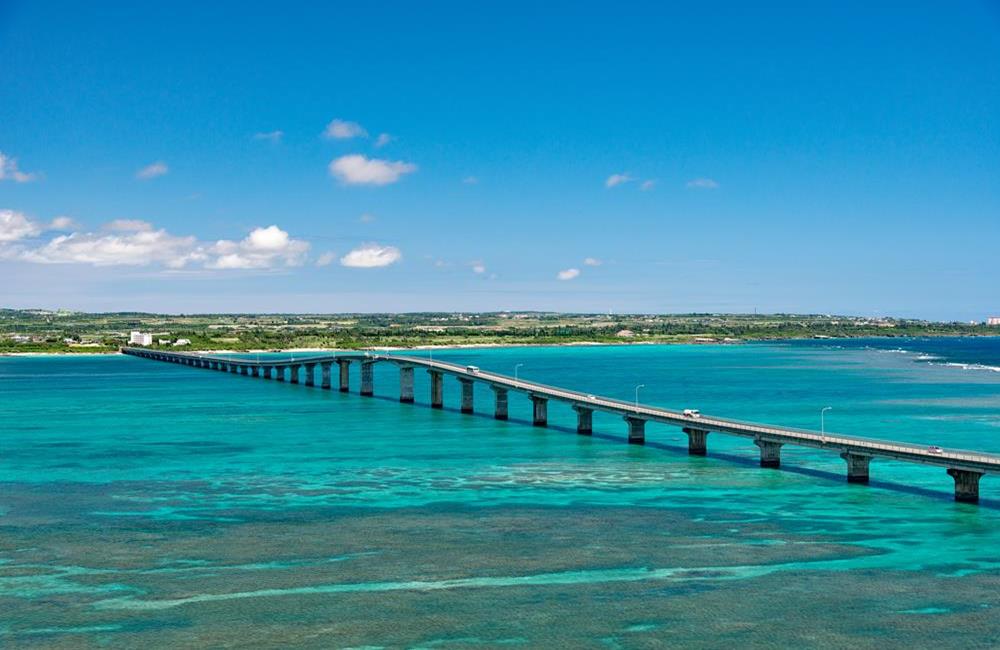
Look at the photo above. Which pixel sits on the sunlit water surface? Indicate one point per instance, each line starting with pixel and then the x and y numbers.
pixel 145 503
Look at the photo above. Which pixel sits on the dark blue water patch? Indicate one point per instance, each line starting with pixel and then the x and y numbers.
pixel 972 350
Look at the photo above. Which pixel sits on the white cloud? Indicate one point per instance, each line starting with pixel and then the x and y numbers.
pixel 382 140
pixel 62 223
pixel 368 256
pixel 326 259
pixel 262 248
pixel 356 169
pixel 128 225
pixel 617 179
pixel 344 130
pixel 478 268
pixel 568 274
pixel 702 184
pixel 138 248
pixel 131 242
pixel 273 137
pixel 15 226
pixel 470 180
pixel 592 261
pixel 367 218
pixel 159 168
pixel 9 170
pixel 647 185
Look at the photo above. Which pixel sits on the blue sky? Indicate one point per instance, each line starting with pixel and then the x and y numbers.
pixel 832 157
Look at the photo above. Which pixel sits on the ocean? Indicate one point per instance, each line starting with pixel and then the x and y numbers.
pixel 150 504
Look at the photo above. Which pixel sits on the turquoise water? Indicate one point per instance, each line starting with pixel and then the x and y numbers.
pixel 149 503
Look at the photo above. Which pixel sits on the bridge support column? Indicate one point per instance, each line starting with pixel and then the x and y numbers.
pixel 966 484
pixel 437 389
pixel 268 372
pixel 539 411
pixel 857 467
pixel 500 413
pixel 697 441
pixel 584 420
pixel 279 373
pixel 233 368
pixel 770 452
pixel 345 374
pixel 310 374
pixel 406 384
pixel 636 430
pixel 293 372
pixel 324 369
pixel 367 378
pixel 255 371
pixel 467 403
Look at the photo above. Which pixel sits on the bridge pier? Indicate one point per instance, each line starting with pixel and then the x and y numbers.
pixel 857 467
pixel 310 369
pixel 584 420
pixel 325 375
pixel 255 371
pixel 293 372
pixel 406 384
pixel 539 411
pixel 437 389
pixel 500 412
pixel 966 484
pixel 279 373
pixel 467 394
pixel 233 368
pixel 367 378
pixel 636 430
pixel 770 452
pixel 345 374
pixel 697 441
pixel 268 372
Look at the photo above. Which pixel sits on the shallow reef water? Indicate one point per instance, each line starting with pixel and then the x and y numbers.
pixel 145 503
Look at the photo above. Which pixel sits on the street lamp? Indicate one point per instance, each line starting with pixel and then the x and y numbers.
pixel 637 394
pixel 822 422
pixel 515 371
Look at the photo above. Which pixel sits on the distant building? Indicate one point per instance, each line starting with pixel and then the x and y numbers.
pixel 993 320
pixel 140 338
pixel 182 342
pixel 625 334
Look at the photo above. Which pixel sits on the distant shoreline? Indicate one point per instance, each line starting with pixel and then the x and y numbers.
pixel 473 346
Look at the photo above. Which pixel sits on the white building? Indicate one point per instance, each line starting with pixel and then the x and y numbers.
pixel 182 342
pixel 993 320
pixel 140 338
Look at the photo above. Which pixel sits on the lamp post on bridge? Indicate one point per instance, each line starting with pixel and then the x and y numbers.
pixel 637 395
pixel 822 422
pixel 515 372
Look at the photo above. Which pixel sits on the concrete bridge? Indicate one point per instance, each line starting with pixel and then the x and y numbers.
pixel 965 467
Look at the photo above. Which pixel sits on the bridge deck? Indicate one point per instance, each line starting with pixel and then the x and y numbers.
pixel 970 461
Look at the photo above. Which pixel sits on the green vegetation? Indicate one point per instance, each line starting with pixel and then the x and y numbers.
pixel 51 331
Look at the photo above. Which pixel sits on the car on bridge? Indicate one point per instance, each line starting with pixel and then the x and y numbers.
pixel 691 413
pixel 934 449
pixel 472 370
